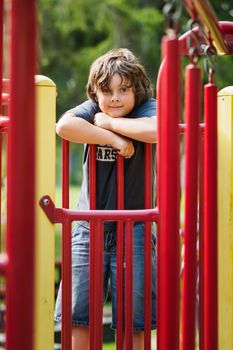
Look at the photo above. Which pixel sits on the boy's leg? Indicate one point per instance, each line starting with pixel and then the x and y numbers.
pixel 80 338
pixel 138 341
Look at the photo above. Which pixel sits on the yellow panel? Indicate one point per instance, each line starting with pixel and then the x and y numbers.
pixel 225 218
pixel 45 231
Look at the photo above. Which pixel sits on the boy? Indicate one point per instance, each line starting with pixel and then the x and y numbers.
pixel 118 117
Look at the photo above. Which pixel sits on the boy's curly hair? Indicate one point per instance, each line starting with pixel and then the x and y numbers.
pixel 123 62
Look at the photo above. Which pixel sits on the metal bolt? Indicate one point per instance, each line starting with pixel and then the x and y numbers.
pixel 46 201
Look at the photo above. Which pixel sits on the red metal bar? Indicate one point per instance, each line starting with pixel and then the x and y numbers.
pixel 1 50
pixel 201 244
pixel 21 179
pixel 120 255
pixel 3 264
pixel 192 117
pixel 66 254
pixel 129 285
pixel 4 123
pixel 59 215
pixel 148 249
pixel 92 283
pixel 168 245
pixel 98 277
pixel 210 218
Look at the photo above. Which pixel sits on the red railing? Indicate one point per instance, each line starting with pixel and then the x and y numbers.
pixel 20 207
pixel 167 216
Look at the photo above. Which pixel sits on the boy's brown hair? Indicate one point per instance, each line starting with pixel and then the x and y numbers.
pixel 124 63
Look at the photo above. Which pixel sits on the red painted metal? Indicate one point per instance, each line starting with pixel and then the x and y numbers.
pixel 210 219
pixel 97 333
pixel 66 254
pixel 60 215
pixel 21 179
pixel 4 123
pixel 227 32
pixel 192 117
pixel 1 50
pixel 201 244
pixel 148 249
pixel 168 244
pixel 129 285
pixel 120 256
pixel 3 264
pixel 96 245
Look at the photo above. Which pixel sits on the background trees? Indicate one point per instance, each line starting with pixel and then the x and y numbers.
pixel 74 32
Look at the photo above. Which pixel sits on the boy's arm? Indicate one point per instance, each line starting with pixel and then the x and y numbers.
pixel 78 130
pixel 140 129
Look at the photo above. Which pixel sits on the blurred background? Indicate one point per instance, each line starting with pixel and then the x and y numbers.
pixel 74 33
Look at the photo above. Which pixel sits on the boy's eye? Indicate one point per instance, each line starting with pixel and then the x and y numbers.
pixel 106 90
pixel 124 89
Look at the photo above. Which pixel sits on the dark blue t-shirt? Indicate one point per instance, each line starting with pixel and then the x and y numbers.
pixel 106 165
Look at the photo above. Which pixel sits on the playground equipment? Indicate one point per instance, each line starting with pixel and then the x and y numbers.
pixel 29 271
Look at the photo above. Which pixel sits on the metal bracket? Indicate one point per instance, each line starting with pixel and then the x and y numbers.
pixel 50 210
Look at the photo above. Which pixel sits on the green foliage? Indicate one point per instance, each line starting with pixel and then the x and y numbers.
pixel 73 33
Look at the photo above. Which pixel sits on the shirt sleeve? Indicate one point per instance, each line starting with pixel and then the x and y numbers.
pixel 147 109
pixel 86 110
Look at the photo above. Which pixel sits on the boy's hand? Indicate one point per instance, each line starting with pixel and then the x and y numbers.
pixel 102 120
pixel 124 146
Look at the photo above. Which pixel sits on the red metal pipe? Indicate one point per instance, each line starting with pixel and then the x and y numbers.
pixel 97 335
pixel 201 244
pixel 192 117
pixel 66 254
pixel 59 215
pixel 148 247
pixel 120 255
pixel 168 245
pixel 129 285
pixel 1 50
pixel 21 179
pixel 93 287
pixel 210 219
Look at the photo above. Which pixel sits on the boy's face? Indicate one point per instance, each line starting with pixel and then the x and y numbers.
pixel 118 99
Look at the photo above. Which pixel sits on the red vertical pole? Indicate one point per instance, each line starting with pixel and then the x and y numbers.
pixel 98 294
pixel 129 285
pixel 66 254
pixel 1 50
pixel 201 244
pixel 95 274
pixel 210 218
pixel 192 117
pixel 21 179
pixel 148 247
pixel 168 244
pixel 120 254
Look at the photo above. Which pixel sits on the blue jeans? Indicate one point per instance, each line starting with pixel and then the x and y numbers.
pixel 80 277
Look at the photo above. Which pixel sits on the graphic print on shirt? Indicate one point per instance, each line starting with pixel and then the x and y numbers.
pixel 106 153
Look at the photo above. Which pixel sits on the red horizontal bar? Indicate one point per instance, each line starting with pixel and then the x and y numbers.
pixel 6 85
pixel 3 263
pixel 60 215
pixel 4 122
pixel 183 128
pixel 5 98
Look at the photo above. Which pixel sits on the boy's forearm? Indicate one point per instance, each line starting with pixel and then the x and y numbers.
pixel 140 129
pixel 78 130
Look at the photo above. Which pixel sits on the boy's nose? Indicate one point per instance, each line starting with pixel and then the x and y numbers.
pixel 114 98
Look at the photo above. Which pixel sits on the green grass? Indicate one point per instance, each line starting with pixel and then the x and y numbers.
pixel 109 346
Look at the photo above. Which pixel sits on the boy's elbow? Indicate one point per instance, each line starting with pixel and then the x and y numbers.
pixel 64 125
pixel 60 128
